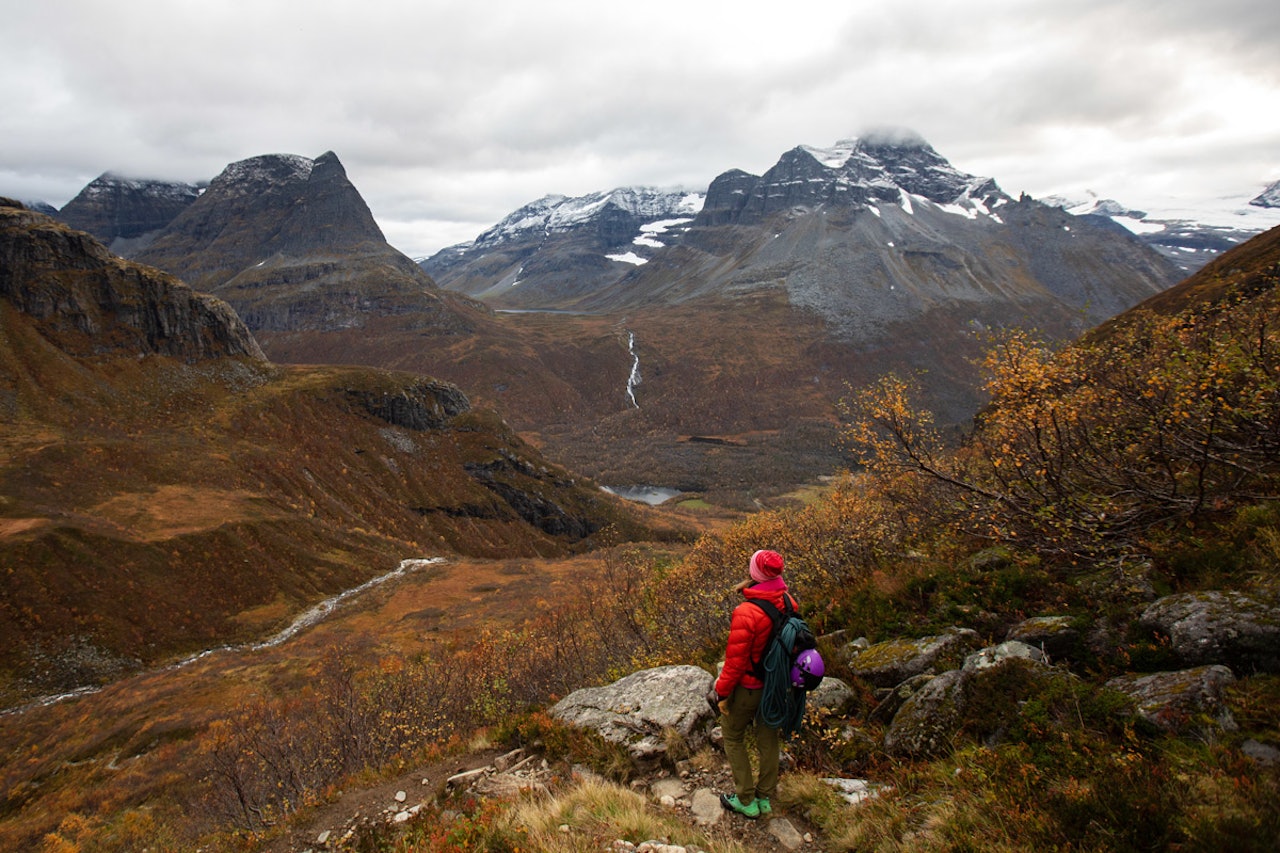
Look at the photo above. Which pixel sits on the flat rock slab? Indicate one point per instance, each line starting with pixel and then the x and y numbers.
pixel 639 709
pixel 788 836
pixel 706 809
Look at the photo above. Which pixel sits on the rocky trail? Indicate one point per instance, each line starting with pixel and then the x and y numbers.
pixel 690 794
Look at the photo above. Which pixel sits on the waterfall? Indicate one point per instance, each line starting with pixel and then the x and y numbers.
pixel 634 379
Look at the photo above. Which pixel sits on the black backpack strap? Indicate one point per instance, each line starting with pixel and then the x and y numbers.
pixel 777 618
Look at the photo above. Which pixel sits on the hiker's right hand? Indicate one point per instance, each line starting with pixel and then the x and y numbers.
pixel 714 700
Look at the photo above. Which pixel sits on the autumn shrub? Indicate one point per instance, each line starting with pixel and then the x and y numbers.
pixel 1168 419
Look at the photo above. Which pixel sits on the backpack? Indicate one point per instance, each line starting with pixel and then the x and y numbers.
pixel 781 702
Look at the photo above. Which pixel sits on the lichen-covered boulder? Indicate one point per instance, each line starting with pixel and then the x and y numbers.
pixel 1230 628
pixel 1056 636
pixel 1186 701
pixel 931 717
pixel 831 695
pixel 890 663
pixel 891 699
pixel 641 708
pixel 995 655
pixel 927 722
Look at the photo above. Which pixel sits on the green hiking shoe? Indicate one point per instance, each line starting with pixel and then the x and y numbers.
pixel 733 804
pixel 763 806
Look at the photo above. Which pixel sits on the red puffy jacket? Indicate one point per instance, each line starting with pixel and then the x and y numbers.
pixel 749 629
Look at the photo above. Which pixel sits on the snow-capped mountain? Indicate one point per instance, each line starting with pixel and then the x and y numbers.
pixel 559 247
pixel 883 230
pixel 126 213
pixel 1188 233
pixel 877 169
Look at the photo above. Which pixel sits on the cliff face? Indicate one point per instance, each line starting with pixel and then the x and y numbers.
pixel 89 301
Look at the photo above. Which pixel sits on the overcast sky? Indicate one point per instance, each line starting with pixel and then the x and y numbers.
pixel 449 115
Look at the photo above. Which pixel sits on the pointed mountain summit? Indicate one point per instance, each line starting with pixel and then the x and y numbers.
pixel 292 245
pixel 557 248
pixel 125 213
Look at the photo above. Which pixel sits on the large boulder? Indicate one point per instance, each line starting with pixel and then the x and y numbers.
pixel 1229 628
pixel 642 708
pixel 929 719
pixel 1056 636
pixel 890 663
pixel 935 711
pixel 996 655
pixel 831 695
pixel 1189 700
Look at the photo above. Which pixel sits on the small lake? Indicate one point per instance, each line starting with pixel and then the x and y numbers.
pixel 651 495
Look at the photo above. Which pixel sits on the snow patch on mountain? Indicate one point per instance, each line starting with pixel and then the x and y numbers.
pixel 1270 197
pixel 1189 232
pixel 836 156
pixel 650 232
pixel 110 182
pixel 267 169
pixel 628 258
pixel 557 213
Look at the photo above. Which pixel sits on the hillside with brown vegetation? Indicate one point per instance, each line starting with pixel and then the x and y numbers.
pixel 163 489
pixel 1103 477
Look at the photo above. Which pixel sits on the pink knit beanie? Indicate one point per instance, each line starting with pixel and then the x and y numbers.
pixel 765 565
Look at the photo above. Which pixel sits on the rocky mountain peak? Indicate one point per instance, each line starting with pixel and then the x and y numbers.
pixel 290 243
pixel 265 206
pixel 261 173
pixel 882 167
pixel 123 212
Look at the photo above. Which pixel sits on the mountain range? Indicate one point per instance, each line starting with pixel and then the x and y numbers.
pixel 688 339
pixel 864 233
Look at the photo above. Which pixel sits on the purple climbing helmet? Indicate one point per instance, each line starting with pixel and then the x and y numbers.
pixel 808 670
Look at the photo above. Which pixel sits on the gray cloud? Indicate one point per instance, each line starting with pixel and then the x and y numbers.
pixel 448 115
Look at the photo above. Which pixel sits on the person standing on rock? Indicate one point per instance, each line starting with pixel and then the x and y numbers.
pixel 736 693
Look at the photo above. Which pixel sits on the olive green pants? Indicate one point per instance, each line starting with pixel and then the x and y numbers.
pixel 742 716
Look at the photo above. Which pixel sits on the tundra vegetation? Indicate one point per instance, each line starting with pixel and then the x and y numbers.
pixel 1156 440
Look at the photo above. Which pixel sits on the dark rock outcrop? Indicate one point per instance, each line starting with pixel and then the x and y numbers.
pixel 1056 636
pixel 430 405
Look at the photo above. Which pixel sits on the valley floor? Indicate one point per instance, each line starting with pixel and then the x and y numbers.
pixel 130 741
